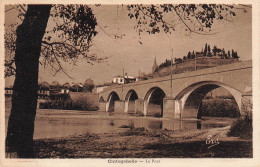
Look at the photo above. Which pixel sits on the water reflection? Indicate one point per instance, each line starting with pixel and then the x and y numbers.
pixel 170 124
pixel 198 125
pixel 50 124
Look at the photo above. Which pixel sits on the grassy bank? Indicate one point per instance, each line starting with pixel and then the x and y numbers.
pixel 142 143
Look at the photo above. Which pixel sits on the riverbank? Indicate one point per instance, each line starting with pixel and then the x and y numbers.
pixel 130 142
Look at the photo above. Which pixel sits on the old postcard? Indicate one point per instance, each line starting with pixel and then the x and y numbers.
pixel 137 83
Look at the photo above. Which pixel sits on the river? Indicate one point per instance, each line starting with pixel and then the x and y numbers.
pixel 61 123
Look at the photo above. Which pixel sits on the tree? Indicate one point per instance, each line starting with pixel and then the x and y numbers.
pixel 75 30
pixel 55 83
pixel 234 55
pixel 167 63
pixel 88 85
pixel 205 50
pixel 24 99
pixel 189 55
pixel 209 51
pixel 45 84
pixel 32 41
pixel 229 56
pixel 214 50
pixel 193 55
pixel 237 57
pixel 66 85
pixel 224 55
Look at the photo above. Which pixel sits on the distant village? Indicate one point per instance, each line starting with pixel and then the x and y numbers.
pixel 57 91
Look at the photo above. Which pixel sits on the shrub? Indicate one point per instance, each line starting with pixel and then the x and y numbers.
pixel 219 108
pixel 242 127
pixel 79 104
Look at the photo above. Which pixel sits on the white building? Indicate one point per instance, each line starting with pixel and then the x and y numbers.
pixel 118 79
pixel 123 80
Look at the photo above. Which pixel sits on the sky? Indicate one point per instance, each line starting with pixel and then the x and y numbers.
pixel 128 54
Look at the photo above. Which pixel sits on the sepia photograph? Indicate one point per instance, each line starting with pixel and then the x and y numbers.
pixel 131 84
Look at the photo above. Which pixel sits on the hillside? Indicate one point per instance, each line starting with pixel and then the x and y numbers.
pixel 189 65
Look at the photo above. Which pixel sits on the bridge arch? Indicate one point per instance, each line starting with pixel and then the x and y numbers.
pixel 153 102
pixel 130 98
pixel 191 97
pixel 112 97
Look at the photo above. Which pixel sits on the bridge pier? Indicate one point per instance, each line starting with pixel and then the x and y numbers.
pixel 172 108
pixel 107 106
pixel 102 106
pixel 139 106
pixel 129 107
pixel 119 107
pixel 126 107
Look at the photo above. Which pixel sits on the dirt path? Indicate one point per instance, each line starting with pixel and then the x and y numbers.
pixel 141 143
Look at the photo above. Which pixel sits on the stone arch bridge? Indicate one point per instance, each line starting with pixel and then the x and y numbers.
pixel 180 95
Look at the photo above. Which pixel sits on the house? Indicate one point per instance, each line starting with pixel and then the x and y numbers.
pixel 129 79
pixel 8 92
pixel 43 92
pixel 76 88
pixel 118 79
pixel 123 79
pixel 59 92
pixel 64 90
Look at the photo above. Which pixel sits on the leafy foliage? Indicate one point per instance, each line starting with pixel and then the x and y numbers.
pixel 72 27
pixel 220 107
pixel 68 104
pixel 68 37
pixel 88 85
pixel 242 127
pixel 10 47
pixel 197 18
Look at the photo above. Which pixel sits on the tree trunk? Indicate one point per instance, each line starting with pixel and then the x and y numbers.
pixel 20 131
